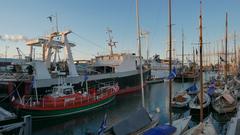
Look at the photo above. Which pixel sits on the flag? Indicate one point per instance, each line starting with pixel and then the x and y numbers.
pixel 222 60
pixel 33 82
pixel 50 18
pixel 192 88
pixel 173 74
pixel 103 126
pixel 211 88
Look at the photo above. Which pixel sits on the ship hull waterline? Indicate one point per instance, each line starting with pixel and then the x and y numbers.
pixel 39 114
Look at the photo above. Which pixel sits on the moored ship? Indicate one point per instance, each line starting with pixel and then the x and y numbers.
pixel 64 100
pixel 119 67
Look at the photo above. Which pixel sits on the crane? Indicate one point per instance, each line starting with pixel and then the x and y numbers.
pixel 20 53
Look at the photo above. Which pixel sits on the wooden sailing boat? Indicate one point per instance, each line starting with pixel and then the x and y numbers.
pixel 184 121
pixel 203 128
pixel 188 74
pixel 233 126
pixel 202 100
pixel 175 127
pixel 181 99
pixel 225 102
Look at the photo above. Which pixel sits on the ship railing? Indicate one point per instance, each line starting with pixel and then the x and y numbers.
pixel 30 100
pixel 106 84
pixel 14 76
pixel 66 102
pixel 23 128
pixel 101 85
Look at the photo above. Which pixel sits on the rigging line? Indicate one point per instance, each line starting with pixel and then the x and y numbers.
pixel 89 41
pixel 80 51
pixel 12 92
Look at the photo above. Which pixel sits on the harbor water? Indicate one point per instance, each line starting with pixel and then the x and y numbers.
pixel 156 96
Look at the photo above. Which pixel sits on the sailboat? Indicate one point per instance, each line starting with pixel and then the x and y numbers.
pixel 225 102
pixel 203 128
pixel 188 73
pixel 195 103
pixel 184 121
pixel 181 98
pixel 139 121
pixel 175 127
pixel 233 126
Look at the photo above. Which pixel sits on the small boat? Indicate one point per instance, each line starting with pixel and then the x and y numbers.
pixel 205 128
pixel 202 100
pixel 212 90
pixel 192 90
pixel 181 125
pixel 195 102
pixel 224 103
pixel 181 100
pixel 234 124
pixel 153 80
pixel 187 77
pixel 178 127
pixel 161 130
pixel 63 100
pixel 137 123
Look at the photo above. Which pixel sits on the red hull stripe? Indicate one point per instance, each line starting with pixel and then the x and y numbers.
pixel 128 90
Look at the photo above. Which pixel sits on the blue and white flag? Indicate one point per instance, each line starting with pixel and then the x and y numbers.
pixel 33 82
pixel 192 89
pixel 103 126
pixel 211 88
pixel 173 74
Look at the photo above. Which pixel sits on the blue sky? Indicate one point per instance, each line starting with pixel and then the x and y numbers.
pixel 90 18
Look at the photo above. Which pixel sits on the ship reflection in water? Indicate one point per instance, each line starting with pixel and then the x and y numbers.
pixel 156 96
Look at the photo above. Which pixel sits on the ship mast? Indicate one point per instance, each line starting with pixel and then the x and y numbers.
pixel 182 59
pixel 170 60
pixel 226 52
pixel 110 41
pixel 201 74
pixel 139 51
pixel 235 54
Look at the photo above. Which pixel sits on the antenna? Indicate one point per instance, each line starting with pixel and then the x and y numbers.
pixel 56 20
pixel 145 35
pixel 111 43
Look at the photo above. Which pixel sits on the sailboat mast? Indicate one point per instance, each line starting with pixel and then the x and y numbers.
pixel 201 74
pixel 226 51
pixel 235 51
pixel 170 61
pixel 182 58
pixel 56 22
pixel 139 51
